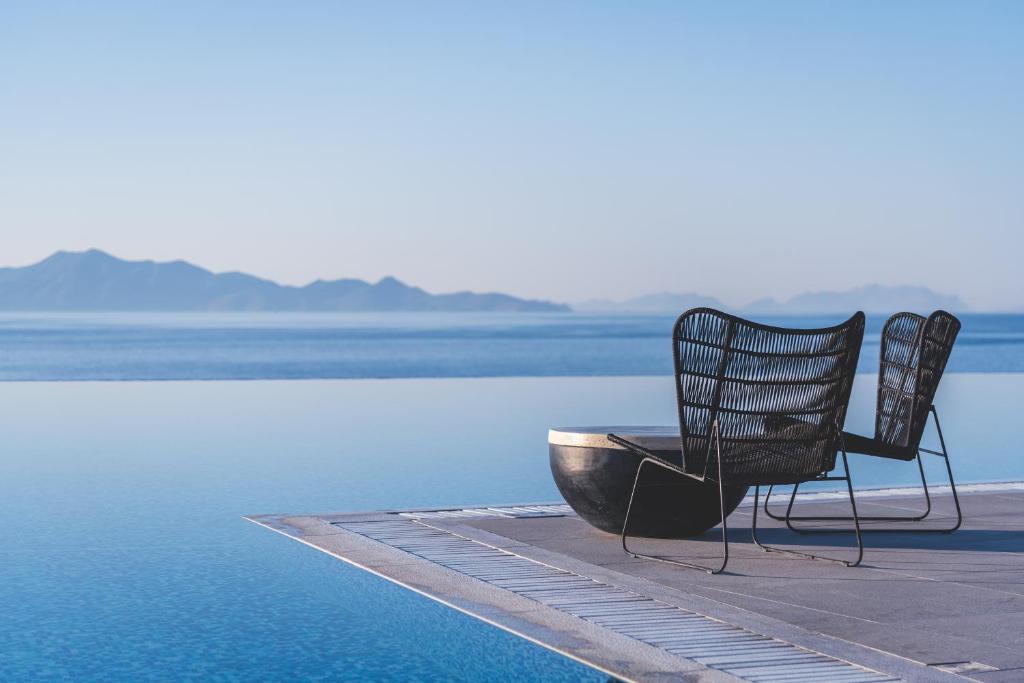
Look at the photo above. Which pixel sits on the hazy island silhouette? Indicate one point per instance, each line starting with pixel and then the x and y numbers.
pixel 94 280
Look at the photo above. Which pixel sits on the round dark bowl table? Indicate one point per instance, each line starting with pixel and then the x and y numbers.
pixel 595 476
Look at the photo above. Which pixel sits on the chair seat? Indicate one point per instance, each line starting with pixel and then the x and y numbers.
pixel 855 443
pixel 762 464
pixel 772 457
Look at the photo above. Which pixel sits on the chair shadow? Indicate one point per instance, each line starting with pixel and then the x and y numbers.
pixel 963 540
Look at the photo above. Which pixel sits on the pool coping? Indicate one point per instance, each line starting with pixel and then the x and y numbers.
pixel 605 650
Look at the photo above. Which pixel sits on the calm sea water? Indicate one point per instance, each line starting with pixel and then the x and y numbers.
pixel 125 556
pixel 108 346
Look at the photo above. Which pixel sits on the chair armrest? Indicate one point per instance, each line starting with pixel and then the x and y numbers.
pixel 644 453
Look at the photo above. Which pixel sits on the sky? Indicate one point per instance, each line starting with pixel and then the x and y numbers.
pixel 552 149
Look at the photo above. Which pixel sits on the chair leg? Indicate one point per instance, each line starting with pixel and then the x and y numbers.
pixel 768 495
pixel 949 471
pixel 789 518
pixel 725 529
pixel 855 518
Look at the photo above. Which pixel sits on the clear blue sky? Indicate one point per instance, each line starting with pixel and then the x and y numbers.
pixel 556 149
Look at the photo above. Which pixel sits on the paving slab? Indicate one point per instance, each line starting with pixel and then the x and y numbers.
pixel 921 607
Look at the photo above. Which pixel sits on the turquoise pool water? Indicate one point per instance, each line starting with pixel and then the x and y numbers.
pixel 125 556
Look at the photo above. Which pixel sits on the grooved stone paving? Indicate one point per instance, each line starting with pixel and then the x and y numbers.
pixel 922 607
pixel 746 655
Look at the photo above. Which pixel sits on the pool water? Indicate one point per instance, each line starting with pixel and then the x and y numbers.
pixel 125 556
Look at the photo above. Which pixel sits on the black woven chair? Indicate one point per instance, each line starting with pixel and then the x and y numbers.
pixel 758 405
pixel 913 356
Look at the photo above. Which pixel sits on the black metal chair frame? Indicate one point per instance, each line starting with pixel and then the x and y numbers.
pixel 789 518
pixel 649 457
pixel 854 327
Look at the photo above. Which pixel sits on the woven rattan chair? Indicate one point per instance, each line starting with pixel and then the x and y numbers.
pixel 913 356
pixel 757 405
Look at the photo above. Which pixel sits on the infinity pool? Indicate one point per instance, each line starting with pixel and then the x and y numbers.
pixel 125 555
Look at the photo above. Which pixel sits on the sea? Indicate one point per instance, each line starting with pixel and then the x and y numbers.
pixel 132 444
pixel 210 345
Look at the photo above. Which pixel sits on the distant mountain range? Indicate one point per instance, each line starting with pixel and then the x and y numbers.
pixel 95 280
pixel 869 298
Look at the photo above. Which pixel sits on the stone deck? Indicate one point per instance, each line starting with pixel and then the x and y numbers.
pixel 921 607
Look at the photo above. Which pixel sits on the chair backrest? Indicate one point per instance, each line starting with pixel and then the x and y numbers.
pixel 779 394
pixel 913 357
